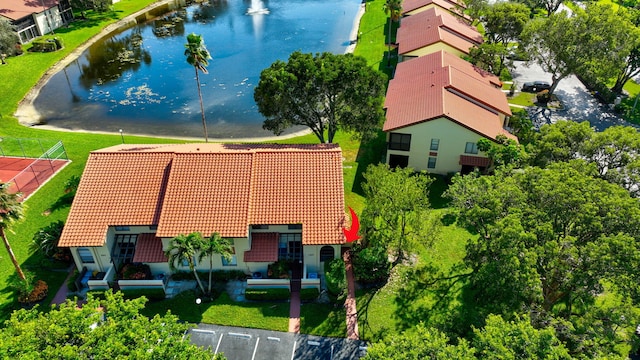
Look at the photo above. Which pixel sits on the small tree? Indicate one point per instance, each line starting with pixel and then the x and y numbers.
pixel 215 244
pixel 183 249
pixel 393 8
pixel 10 211
pixel 198 56
pixel 396 215
pixel 8 38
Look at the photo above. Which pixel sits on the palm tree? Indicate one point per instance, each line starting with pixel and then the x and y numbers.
pixel 393 8
pixel 183 248
pixel 10 210
pixel 197 56
pixel 215 244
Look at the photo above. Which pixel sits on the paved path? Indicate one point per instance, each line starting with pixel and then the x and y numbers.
pixel 294 307
pixel 350 303
pixel 61 295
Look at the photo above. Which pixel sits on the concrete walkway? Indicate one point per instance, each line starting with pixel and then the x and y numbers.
pixel 61 295
pixel 350 303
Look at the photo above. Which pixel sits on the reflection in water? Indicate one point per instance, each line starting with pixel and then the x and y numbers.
pixel 170 24
pixel 208 10
pixel 109 61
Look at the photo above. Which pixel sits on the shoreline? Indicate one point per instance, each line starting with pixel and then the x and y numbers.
pixel 28 116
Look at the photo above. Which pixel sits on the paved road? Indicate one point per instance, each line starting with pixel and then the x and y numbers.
pixel 579 103
pixel 249 344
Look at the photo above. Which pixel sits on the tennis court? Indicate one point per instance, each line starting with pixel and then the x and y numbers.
pixel 25 175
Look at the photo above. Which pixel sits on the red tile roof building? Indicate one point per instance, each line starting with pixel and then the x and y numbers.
pixel 434 27
pixel 31 19
pixel 412 7
pixel 209 188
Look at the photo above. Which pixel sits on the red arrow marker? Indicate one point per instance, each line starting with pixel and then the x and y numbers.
pixel 352 234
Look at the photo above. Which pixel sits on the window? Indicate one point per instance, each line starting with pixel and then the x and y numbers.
pixel 432 163
pixel 124 248
pixel 295 226
pixel 399 141
pixel 122 228
pixel 471 148
pixel 185 263
pixel 400 161
pixel 435 143
pixel 290 247
pixel 85 255
pixel 260 227
pixel 327 253
pixel 232 262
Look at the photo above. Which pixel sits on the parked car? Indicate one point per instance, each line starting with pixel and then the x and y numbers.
pixel 536 86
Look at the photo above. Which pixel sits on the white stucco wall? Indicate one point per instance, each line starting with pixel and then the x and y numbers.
pixel 453 139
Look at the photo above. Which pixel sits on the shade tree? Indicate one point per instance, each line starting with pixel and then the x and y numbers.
pixel 324 92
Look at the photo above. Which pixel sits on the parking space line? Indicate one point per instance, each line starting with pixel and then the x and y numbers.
pixel 293 352
pixel 247 336
pixel 273 338
pixel 219 341
pixel 314 343
pixel 204 331
pixel 255 349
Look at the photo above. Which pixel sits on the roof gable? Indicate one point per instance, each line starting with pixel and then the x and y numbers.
pixel 410 5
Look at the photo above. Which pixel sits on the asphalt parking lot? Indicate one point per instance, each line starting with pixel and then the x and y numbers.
pixel 254 344
pixel 579 104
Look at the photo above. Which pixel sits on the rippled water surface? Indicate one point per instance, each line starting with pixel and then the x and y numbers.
pixel 139 80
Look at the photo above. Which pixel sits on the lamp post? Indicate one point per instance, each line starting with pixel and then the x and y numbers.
pixel 198 302
pixel 121 135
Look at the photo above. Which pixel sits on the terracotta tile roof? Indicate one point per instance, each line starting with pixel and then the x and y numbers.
pixel 410 5
pixel 149 249
pixel 412 102
pixel 116 189
pixel 425 64
pixel 452 6
pixel 17 9
pixel 264 248
pixel 474 161
pixel 432 26
pixel 183 188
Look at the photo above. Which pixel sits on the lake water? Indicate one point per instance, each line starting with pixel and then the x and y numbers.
pixel 139 80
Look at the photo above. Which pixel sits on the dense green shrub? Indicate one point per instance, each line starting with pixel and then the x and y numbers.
pixel 335 276
pixel 151 293
pixel 98 294
pixel 46 239
pixel 43 46
pixel 278 270
pixel 71 283
pixel 267 294
pixel 226 275
pixel 183 275
pixel 309 294
pixel 371 265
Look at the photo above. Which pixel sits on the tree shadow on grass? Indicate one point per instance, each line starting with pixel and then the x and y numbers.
pixel 63 201
pixel 93 20
pixel 438 299
pixel 365 330
pixel 370 152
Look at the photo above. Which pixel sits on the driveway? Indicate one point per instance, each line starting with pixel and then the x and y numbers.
pixel 255 344
pixel 578 102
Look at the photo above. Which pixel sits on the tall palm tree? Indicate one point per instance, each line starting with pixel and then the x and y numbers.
pixel 198 56
pixel 393 8
pixel 10 210
pixel 183 249
pixel 215 244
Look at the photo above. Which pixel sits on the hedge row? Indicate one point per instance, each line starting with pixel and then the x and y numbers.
pixel 267 294
pixel 218 275
pixel 150 294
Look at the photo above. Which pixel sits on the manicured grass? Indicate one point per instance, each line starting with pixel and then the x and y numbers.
pixel 323 320
pixel 378 308
pixel 523 98
pixel 224 311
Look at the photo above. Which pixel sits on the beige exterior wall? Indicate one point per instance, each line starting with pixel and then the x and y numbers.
pixel 431 49
pixel 453 139
pixel 54 20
